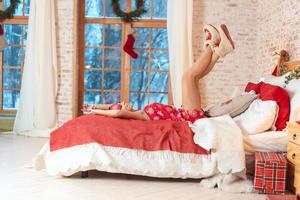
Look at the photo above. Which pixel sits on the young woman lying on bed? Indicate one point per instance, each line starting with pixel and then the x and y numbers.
pixel 218 44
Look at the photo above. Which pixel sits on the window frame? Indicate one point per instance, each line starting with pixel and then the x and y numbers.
pixel 16 20
pixel 125 59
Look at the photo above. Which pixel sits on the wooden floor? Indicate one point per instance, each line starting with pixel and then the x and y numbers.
pixel 19 181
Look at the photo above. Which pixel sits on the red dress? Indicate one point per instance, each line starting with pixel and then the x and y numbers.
pixel 158 111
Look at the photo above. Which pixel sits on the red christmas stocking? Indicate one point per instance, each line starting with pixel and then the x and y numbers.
pixel 3 42
pixel 128 47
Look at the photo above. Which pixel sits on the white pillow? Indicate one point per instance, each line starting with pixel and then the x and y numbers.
pixel 259 117
pixel 274 80
pixel 293 89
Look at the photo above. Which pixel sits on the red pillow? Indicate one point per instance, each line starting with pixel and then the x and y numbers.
pixel 275 93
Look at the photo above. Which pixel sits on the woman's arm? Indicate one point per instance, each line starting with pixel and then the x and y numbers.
pixel 102 106
pixel 140 115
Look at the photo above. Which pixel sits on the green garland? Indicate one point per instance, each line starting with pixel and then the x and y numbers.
pixel 129 16
pixel 295 74
pixel 283 69
pixel 9 12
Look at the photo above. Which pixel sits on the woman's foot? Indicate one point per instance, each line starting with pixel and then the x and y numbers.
pixel 226 45
pixel 212 36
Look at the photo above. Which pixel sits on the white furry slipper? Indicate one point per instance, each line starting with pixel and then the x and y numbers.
pixel 226 45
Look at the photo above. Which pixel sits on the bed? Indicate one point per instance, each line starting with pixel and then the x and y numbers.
pixel 199 150
pixel 151 148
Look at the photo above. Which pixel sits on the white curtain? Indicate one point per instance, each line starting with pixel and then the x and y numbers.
pixel 36 114
pixel 180 17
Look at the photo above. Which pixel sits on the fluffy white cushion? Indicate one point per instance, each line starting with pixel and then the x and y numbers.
pixel 275 80
pixel 293 89
pixel 259 117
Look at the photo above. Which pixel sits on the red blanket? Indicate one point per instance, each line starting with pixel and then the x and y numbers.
pixel 132 134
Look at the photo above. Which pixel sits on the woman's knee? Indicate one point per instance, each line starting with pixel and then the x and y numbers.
pixel 188 76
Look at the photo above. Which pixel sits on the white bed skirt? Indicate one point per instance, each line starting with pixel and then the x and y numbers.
pixel 93 156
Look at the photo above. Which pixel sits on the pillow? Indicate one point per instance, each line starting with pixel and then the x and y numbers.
pixel 259 117
pixel 274 80
pixel 293 89
pixel 233 107
pixel 274 93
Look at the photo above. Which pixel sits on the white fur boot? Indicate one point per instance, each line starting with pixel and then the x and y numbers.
pixel 226 45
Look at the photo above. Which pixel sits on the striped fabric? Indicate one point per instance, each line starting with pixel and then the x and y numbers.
pixel 270 173
pixel 281 197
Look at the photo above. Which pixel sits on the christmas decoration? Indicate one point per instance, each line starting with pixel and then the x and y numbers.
pixel 9 12
pixel 3 42
pixel 129 16
pixel 129 46
pixel 295 74
pixel 280 69
pixel 6 14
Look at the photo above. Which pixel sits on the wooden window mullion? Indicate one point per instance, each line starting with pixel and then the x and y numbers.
pixel 22 21
pixel 125 58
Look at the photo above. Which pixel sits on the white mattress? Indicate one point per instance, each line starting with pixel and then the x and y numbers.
pixel 271 141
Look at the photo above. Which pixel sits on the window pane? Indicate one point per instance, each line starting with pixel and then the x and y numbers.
pixel 159 38
pixel 160 9
pixel 139 81
pixel 94 8
pixel 12 56
pixel 147 7
pixel 142 62
pixel 93 79
pixel 93 58
pixel 27 7
pixel 159 81
pixel 112 58
pixel 139 100
pixel 112 80
pixel 160 60
pixel 11 78
pixel 92 98
pixel 111 97
pixel 93 35
pixel 19 9
pixel 109 9
pixel 159 98
pixel 113 35
pixel 10 99
pixel 142 39
pixel 13 34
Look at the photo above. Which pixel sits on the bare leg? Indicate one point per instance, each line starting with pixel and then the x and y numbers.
pixel 191 98
pixel 212 63
pixel 125 114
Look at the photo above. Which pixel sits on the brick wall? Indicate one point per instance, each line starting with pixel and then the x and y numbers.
pixel 237 68
pixel 64 53
pixel 278 25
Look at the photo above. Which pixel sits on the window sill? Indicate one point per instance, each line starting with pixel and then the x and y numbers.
pixel 6 123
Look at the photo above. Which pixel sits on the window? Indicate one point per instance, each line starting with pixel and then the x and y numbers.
pixel 12 57
pixel 106 73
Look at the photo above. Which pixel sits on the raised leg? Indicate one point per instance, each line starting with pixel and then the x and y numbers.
pixel 211 65
pixel 191 98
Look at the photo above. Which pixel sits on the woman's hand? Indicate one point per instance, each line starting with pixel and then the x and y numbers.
pixel 88 108
pixel 126 106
